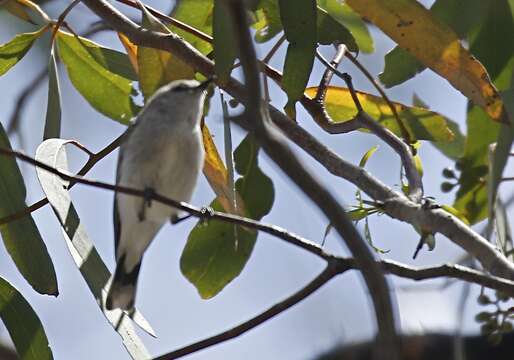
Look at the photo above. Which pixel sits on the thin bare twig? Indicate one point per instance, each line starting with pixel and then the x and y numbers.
pixel 405 133
pixel 93 159
pixel 327 274
pixel 362 119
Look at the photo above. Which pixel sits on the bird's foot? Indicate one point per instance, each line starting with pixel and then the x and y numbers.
pixel 207 214
pixel 149 193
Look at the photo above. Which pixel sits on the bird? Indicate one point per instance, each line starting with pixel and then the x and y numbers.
pixel 162 152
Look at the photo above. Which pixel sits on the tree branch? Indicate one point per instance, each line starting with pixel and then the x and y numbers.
pixel 275 147
pixel 452 271
pixel 93 159
pixel 327 274
pixel 398 206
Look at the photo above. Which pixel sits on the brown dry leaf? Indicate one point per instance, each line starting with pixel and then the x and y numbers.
pixel 435 44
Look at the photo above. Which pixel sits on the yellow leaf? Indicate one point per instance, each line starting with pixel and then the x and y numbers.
pixel 216 173
pixel 131 49
pixel 436 45
pixel 422 124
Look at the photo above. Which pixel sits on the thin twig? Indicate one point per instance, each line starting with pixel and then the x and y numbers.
pixel 62 17
pixel 405 133
pixel 179 24
pixel 327 274
pixel 274 49
pixel 362 119
pixel 329 71
pixel 93 159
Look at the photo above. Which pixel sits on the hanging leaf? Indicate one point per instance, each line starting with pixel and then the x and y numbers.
pixel 225 51
pixel 91 71
pixel 198 14
pixel 23 325
pixel 300 28
pixel 453 149
pixel 131 49
pixel 157 67
pixel 216 173
pixel 267 23
pixel 21 237
pixel 471 198
pixel 14 50
pixel 330 31
pixel 216 253
pixel 343 14
pixel 422 124
pixel 502 150
pixel 461 16
pixel 367 155
pixel 53 109
pixel 85 255
pixel 435 44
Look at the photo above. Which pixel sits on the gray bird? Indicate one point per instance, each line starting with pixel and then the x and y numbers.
pixel 162 153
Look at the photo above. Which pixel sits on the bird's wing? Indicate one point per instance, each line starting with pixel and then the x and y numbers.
pixel 116 215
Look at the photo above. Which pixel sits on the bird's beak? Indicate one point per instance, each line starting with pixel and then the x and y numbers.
pixel 205 84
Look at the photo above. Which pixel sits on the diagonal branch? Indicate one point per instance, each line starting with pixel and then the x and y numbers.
pixel 330 271
pixel 434 220
pixel 93 159
pixel 275 147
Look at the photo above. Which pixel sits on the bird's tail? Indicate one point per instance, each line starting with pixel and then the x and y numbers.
pixel 122 292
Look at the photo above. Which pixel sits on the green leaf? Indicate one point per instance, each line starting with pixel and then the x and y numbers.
pixel 14 50
pixel 224 42
pixel 198 14
pixel 471 199
pixel 217 252
pixel 157 67
pixel 300 27
pixel 453 149
pixel 367 155
pixel 84 253
pixel 421 123
pixel 23 324
pixel 489 45
pixel 106 91
pixel 343 14
pixel 53 109
pixel 331 31
pixel 21 237
pixel 267 23
pixel 502 148
pixel 401 66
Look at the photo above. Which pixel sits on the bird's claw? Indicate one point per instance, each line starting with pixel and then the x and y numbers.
pixel 149 193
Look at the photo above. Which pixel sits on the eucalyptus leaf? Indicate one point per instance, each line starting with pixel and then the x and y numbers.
pixel 14 50
pixel 53 109
pixel 216 252
pixel 106 91
pixel 22 323
pixel 85 255
pixel 21 237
